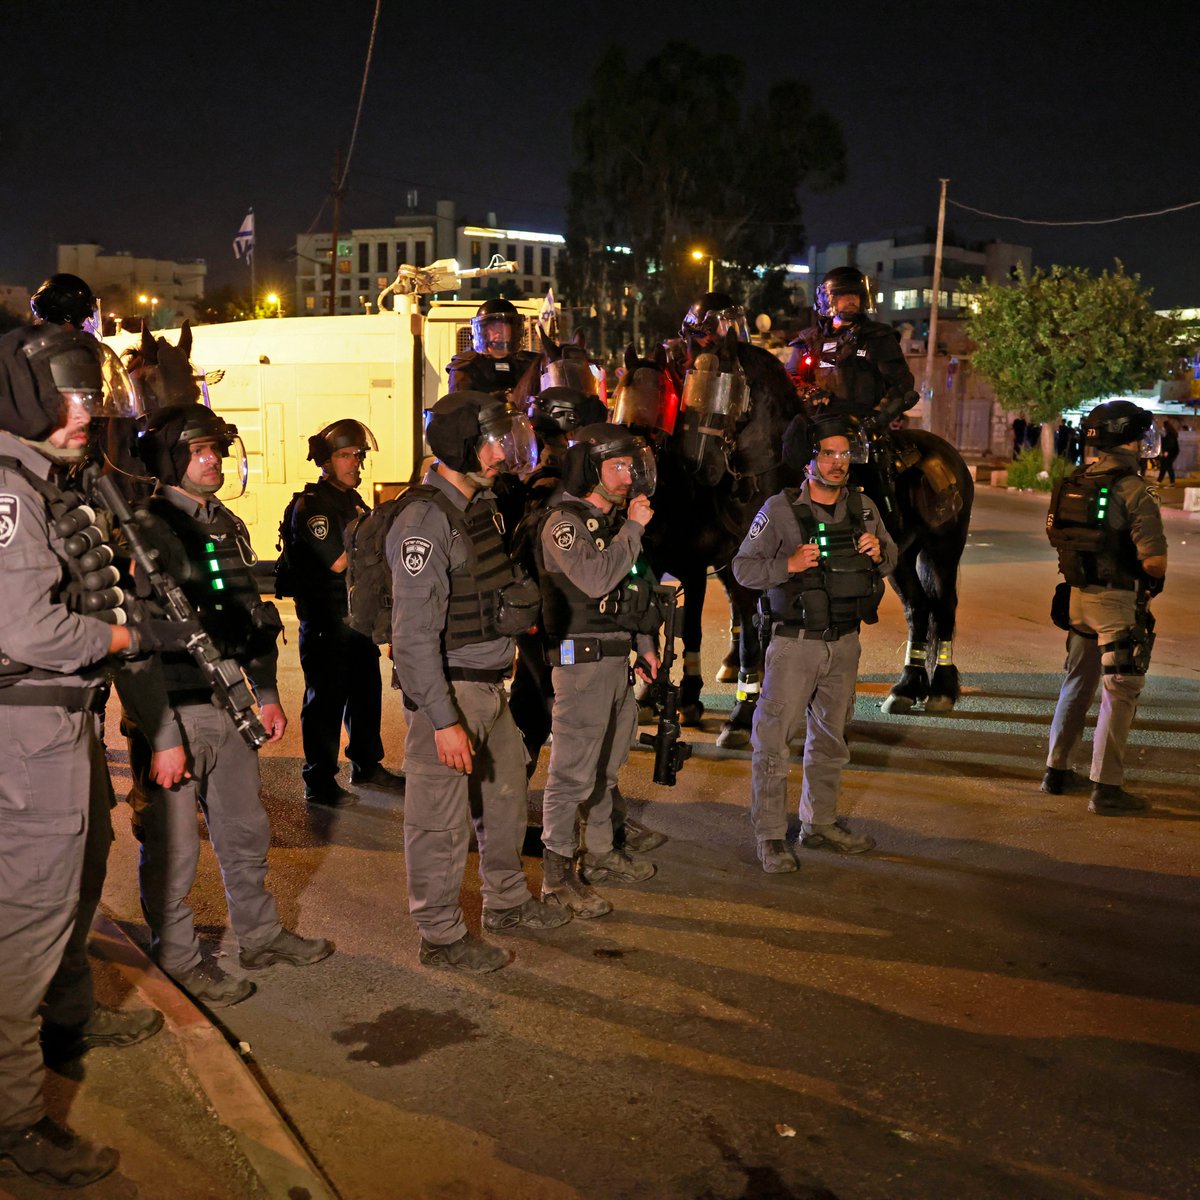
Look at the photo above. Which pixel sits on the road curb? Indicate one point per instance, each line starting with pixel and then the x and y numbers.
pixel 262 1135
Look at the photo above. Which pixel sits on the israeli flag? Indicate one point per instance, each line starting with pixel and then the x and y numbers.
pixel 243 244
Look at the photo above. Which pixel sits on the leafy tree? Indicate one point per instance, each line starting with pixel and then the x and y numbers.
pixel 667 157
pixel 1060 339
pixel 226 303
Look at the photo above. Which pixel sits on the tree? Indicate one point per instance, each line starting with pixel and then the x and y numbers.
pixel 1063 339
pixel 667 158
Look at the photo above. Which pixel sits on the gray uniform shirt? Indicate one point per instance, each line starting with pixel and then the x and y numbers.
pixel 761 560
pixel 570 548
pixel 1135 507
pixel 35 628
pixel 422 549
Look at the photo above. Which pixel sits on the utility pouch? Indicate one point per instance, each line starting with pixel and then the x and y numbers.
pixel 1060 606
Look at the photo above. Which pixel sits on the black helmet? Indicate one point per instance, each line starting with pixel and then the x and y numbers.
pixel 705 318
pixel 566 408
pixel 40 367
pixel 842 281
pixel 65 299
pixel 1114 423
pixel 460 422
pixel 803 437
pixel 593 445
pixel 497 312
pixel 339 435
pixel 164 446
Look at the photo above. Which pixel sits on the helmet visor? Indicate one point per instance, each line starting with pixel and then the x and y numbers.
pixel 1151 446
pixel 512 434
pixel 501 332
pixel 646 399
pixel 235 468
pixel 120 397
pixel 714 323
pixel 643 472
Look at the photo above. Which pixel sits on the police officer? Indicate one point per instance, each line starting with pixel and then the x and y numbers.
pixel 856 363
pixel 194 755
pixel 58 623
pixel 457 601
pixel 341 666
pixel 588 544
pixel 1106 525
pixel 495 363
pixel 820 554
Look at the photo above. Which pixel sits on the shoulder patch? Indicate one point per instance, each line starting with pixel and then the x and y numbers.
pixel 759 523
pixel 414 553
pixel 318 526
pixel 1151 488
pixel 10 515
pixel 563 535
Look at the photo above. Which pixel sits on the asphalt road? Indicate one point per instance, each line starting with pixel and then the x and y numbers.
pixel 1003 1000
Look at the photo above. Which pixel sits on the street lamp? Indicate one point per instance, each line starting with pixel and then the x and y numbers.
pixel 143 300
pixel 273 298
pixel 700 256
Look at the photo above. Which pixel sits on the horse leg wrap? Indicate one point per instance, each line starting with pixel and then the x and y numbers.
pixel 913 684
pixel 735 733
pixel 943 687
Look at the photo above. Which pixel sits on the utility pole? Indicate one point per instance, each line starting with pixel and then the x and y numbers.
pixel 338 192
pixel 931 347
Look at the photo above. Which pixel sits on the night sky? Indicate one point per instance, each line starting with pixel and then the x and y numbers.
pixel 152 127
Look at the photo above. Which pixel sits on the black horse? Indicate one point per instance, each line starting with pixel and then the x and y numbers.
pixel 711 483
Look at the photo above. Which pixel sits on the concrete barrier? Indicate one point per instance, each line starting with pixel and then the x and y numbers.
pixel 999 479
pixel 1191 499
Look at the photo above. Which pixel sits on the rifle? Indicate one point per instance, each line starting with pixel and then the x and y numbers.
pixel 223 675
pixel 669 752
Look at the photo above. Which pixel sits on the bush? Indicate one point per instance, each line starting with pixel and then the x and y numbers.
pixel 1025 471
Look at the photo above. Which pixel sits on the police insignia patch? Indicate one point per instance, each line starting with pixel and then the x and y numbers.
pixel 759 524
pixel 1152 488
pixel 319 527
pixel 10 513
pixel 414 552
pixel 563 535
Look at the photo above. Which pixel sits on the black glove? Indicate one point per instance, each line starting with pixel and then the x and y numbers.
pixel 151 634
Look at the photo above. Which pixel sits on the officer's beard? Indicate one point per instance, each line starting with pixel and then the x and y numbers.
pixel 480 480
pixel 617 501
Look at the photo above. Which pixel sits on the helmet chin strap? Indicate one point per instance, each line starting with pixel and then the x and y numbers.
pixel 480 480
pixel 814 472
pixel 62 455
pixel 206 489
pixel 614 500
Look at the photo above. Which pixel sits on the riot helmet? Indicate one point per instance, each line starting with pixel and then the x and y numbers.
pixel 497 326
pixel 339 435
pixel 803 437
pixel 592 447
pixel 463 423
pixel 569 366
pixel 712 316
pixel 66 299
pixel 843 281
pixel 165 447
pixel 1118 422
pixel 566 408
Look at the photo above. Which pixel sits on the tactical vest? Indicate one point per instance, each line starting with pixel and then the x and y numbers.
pixel 567 609
pixel 88 581
pixel 843 364
pixel 1090 551
pixel 218 580
pixel 845 586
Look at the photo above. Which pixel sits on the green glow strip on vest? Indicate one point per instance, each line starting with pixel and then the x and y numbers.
pixel 822 539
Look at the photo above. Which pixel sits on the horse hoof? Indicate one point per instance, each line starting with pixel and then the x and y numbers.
pixel 727 674
pixel 732 738
pixel 898 704
pixel 690 714
pixel 938 704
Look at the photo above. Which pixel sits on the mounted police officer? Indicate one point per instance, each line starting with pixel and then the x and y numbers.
pixel 820 554
pixel 457 602
pixel 341 666
pixel 495 363
pixel 855 362
pixel 195 756
pixel 1105 523
pixel 590 542
pixel 60 619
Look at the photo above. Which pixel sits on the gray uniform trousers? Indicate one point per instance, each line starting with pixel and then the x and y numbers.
pixel 225 784
pixel 593 722
pixel 802 679
pixel 55 832
pixel 440 804
pixel 1109 613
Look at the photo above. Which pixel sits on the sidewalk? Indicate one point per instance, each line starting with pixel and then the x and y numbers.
pixel 183 1108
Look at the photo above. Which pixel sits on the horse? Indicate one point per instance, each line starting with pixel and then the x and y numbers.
pixel 711 483
pixel 163 373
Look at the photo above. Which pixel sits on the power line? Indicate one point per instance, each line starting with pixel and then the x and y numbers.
pixel 1102 221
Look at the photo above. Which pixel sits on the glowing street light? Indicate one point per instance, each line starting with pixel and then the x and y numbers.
pixel 700 256
pixel 274 299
